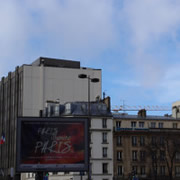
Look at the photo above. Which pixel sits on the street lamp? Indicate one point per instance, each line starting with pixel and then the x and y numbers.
pixel 93 80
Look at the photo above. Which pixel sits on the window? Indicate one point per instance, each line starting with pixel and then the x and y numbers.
pixel 90 167
pixel 134 170
pixel 143 170
pixel 120 171
pixel 142 155
pixel 177 157
pixel 134 155
pixel 141 124
pixel 133 124
pixel 90 137
pixel 177 171
pixel 155 170
pixel 105 168
pixel 142 141
pixel 104 123
pixel 119 140
pixel 160 125
pixel 104 137
pixel 162 170
pixel 134 140
pixel 153 125
pixel 162 155
pixel 29 175
pixel 90 123
pixel 161 141
pixel 104 151
pixel 175 125
pixel 119 155
pixel 153 140
pixel 154 155
pixel 90 151
pixel 118 124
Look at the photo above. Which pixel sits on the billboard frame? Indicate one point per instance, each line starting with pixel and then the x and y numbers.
pixel 20 167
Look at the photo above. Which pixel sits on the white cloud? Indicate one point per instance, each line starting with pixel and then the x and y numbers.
pixel 151 19
pixel 84 29
pixel 74 29
pixel 14 32
pixel 79 28
pixel 150 69
pixel 149 23
pixel 169 87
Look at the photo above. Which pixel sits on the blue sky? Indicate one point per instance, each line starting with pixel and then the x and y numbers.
pixel 135 43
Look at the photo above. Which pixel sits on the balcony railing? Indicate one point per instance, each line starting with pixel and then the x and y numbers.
pixel 118 129
pixel 130 129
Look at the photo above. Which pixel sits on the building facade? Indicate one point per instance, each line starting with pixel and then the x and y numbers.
pixel 25 91
pixel 101 138
pixel 146 146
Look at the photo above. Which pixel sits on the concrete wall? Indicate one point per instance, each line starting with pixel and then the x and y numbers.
pixel 51 83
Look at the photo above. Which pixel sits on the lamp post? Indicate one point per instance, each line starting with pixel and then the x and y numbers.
pixel 93 80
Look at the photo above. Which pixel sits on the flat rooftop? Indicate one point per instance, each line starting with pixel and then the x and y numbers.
pixel 52 62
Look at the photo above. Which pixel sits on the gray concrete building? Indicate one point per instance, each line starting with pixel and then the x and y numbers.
pixel 25 91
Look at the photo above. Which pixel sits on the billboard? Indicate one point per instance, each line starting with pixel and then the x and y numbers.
pixel 52 144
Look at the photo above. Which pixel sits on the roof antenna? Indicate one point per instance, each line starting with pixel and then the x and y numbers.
pixel 104 95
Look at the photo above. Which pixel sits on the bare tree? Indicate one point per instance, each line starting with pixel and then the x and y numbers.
pixel 163 148
pixel 152 149
pixel 171 147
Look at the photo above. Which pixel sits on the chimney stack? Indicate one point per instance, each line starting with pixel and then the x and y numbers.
pixel 142 113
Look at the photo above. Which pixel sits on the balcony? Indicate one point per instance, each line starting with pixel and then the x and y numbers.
pixel 117 129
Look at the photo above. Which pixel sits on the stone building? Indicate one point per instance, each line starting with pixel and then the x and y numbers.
pixel 146 146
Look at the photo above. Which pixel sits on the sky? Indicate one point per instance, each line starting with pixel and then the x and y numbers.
pixel 135 43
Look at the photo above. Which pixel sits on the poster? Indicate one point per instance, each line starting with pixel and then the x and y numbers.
pixel 53 144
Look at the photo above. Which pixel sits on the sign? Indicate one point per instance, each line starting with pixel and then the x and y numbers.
pixel 52 144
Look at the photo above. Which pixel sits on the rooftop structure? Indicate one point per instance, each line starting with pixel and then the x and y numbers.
pixel 51 62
